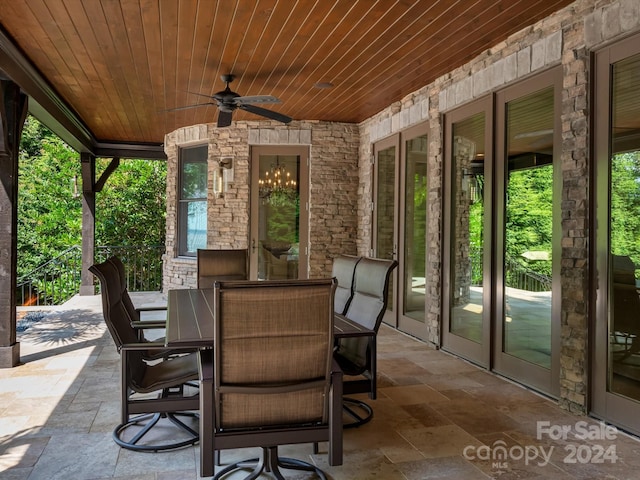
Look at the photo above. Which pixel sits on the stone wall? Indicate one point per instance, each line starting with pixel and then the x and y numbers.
pixel 341 170
pixel 565 38
pixel 333 184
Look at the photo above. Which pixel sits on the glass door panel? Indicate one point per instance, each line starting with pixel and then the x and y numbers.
pixel 529 228
pixel 624 242
pixel 415 229
pixel 278 244
pixel 615 381
pixel 385 220
pixel 526 334
pixel 467 253
pixel 400 224
pixel 467 233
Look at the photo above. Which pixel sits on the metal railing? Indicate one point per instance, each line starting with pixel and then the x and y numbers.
pixel 56 281
pixel 517 275
pixel 520 277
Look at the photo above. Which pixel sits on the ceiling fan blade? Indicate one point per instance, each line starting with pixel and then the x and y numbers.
pixel 200 94
pixel 266 113
pixel 224 118
pixel 188 106
pixel 256 99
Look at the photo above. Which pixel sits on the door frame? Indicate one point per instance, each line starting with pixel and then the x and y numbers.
pixel 394 315
pixel 390 316
pixel 602 403
pixel 301 151
pixel 537 377
pixel 479 353
pixel 405 323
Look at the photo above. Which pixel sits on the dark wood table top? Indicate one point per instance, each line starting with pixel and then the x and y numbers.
pixel 190 315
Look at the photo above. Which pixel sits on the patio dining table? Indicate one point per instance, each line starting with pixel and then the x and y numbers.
pixel 191 312
pixel 190 323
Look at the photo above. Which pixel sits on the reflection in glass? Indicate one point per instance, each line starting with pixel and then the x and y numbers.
pixel 193 199
pixel 385 208
pixel 195 214
pixel 467 240
pixel 528 228
pixel 624 320
pixel 415 226
pixel 279 217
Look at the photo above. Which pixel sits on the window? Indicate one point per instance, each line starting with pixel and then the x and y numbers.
pixel 192 200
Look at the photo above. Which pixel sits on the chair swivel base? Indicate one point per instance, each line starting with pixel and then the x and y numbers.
pixel 146 422
pixel 270 463
pixel 359 412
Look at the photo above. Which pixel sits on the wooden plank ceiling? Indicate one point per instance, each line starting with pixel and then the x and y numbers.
pixel 121 64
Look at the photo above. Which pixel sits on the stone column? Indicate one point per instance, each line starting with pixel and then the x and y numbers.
pixel 13 111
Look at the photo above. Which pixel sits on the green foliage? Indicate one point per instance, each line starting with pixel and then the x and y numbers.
pixel 130 210
pixel 529 216
pixel 625 205
pixel 283 215
pixel 49 217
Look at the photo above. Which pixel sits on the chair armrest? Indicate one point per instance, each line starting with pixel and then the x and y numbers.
pixel 153 346
pixel 149 324
pixel 157 308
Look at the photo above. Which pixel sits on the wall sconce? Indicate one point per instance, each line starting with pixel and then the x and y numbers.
pixel 222 176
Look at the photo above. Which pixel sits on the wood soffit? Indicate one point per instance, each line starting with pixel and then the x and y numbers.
pixel 115 67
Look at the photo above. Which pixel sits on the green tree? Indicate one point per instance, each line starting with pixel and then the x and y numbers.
pixel 529 215
pixel 130 210
pixel 49 216
pixel 625 205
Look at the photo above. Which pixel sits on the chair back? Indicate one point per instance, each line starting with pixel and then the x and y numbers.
pixel 124 292
pixel 216 265
pixel 367 307
pixel 344 267
pixel 273 353
pixel 116 315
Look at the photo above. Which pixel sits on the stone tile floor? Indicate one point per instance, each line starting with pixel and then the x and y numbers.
pixel 436 416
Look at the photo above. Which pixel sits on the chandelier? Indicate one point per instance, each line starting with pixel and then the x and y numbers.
pixel 277 185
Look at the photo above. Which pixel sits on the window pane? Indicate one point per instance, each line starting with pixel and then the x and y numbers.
pixel 528 228
pixel 279 217
pixel 415 226
pixel 624 301
pixel 192 216
pixel 193 225
pixel 385 220
pixel 194 173
pixel 467 228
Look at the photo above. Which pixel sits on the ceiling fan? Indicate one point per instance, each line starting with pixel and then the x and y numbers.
pixel 227 101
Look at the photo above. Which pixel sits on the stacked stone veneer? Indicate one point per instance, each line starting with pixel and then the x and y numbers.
pixel 333 180
pixel 342 169
pixel 563 40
